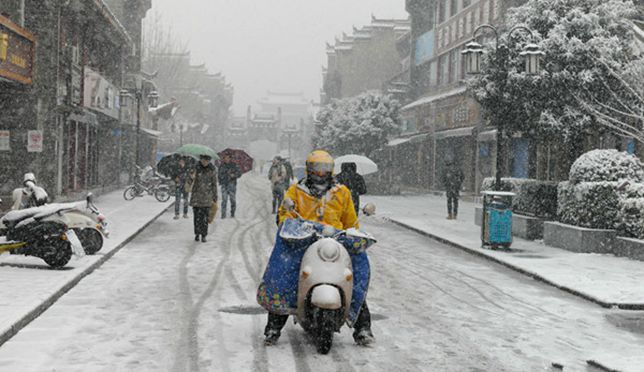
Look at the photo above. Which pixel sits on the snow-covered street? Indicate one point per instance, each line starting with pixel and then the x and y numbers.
pixel 167 303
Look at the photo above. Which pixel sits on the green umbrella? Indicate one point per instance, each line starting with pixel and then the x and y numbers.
pixel 196 151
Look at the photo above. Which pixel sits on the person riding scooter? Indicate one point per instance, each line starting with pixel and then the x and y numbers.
pixel 318 198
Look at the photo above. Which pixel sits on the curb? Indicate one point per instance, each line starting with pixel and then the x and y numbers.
pixel 600 367
pixel 48 302
pixel 475 252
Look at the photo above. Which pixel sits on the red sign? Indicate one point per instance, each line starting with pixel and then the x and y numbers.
pixel 17 48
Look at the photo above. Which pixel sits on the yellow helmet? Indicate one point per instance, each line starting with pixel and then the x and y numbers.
pixel 319 165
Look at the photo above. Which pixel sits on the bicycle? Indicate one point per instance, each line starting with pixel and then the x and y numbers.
pixel 147 181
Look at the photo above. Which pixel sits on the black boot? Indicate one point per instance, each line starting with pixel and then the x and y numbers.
pixel 203 239
pixel 273 328
pixel 197 237
pixel 362 334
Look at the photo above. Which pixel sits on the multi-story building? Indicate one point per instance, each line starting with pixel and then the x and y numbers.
pixel 60 98
pixel 204 101
pixel 365 60
pixel 443 122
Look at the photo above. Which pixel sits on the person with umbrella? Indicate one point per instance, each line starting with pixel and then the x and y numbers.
pixel 204 193
pixel 229 172
pixel 353 181
pixel 181 191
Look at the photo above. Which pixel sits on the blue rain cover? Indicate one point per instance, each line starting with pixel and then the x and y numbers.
pixel 277 292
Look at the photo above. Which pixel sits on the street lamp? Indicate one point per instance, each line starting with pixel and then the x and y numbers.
pixel 126 96
pixel 473 53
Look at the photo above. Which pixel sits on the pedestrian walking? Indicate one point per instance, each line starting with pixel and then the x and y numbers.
pixel 353 181
pixel 182 190
pixel 279 177
pixel 229 172
pixel 452 178
pixel 204 194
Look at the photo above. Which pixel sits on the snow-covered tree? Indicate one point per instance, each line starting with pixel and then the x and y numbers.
pixel 588 44
pixel 357 125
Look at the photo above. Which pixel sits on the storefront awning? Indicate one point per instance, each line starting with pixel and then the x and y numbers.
pixel 84 117
pixel 152 133
pixel 430 99
pixel 458 132
pixel 413 139
pixel 487 136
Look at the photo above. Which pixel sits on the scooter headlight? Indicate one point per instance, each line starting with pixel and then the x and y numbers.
pixel 329 252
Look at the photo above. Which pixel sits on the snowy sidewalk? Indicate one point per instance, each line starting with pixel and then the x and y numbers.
pixel 29 286
pixel 604 279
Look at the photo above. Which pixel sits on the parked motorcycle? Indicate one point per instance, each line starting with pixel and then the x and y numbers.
pixel 41 232
pixel 151 183
pixel 326 276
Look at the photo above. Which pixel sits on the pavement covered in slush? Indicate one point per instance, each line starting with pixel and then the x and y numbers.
pixel 167 303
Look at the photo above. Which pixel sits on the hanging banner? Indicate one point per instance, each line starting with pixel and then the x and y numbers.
pixel 5 136
pixel 34 141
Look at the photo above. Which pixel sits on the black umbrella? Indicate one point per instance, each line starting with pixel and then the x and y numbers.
pixel 169 165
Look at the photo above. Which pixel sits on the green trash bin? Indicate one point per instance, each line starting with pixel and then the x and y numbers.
pixel 496 226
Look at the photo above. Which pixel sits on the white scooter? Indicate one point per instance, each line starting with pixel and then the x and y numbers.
pixel 85 220
pixel 41 232
pixel 326 278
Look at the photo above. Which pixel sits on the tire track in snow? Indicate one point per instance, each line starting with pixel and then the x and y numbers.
pixel 184 348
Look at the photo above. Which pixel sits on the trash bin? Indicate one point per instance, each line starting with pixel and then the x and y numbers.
pixel 496 229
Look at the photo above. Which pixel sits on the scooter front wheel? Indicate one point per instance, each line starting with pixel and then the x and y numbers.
pixel 325 329
pixel 91 240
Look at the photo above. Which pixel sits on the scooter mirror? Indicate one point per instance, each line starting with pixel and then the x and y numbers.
pixel 369 209
pixel 288 205
pixel 90 199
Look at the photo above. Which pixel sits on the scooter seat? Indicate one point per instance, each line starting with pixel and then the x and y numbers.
pixel 37 213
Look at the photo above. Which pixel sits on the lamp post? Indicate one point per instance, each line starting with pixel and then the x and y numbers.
pixel 153 101
pixel 473 54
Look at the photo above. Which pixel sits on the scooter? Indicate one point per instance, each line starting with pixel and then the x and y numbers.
pixel 325 287
pixel 41 232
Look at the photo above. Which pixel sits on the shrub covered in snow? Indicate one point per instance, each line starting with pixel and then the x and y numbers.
pixel 594 205
pixel 606 166
pixel 534 197
pixel 631 222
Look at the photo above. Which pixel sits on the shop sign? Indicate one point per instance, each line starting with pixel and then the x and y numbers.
pixel 16 52
pixel 34 141
pixel 5 136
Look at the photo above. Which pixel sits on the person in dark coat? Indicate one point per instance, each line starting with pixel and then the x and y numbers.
pixel 181 192
pixel 229 172
pixel 452 178
pixel 280 181
pixel 354 181
pixel 204 194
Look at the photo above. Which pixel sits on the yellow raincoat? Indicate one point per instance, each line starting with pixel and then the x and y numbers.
pixel 335 208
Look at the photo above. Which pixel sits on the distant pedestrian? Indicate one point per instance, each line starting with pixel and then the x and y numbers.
pixel 452 178
pixel 182 189
pixel 280 181
pixel 354 181
pixel 229 172
pixel 204 194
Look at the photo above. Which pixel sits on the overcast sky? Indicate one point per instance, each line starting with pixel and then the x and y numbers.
pixel 268 44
